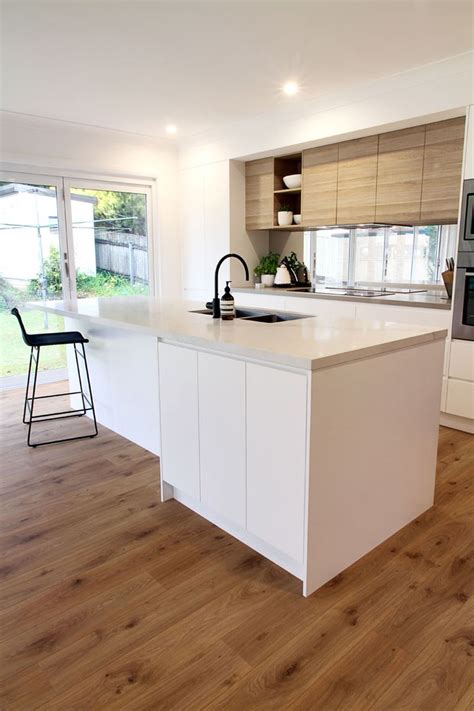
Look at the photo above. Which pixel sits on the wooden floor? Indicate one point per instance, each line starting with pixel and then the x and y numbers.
pixel 112 600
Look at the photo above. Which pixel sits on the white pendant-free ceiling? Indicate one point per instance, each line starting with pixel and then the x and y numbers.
pixel 141 66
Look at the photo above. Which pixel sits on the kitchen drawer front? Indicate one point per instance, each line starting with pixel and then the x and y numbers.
pixel 276 457
pixel 461 362
pixel 460 398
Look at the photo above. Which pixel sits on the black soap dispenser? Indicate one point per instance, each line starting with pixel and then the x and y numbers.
pixel 227 304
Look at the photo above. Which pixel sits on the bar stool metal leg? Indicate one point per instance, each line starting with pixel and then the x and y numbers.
pixel 25 422
pixel 31 407
pixel 86 398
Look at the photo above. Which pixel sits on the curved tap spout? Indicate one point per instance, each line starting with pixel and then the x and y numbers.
pixel 216 306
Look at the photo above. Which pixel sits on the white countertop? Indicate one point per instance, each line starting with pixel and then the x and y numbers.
pixel 309 343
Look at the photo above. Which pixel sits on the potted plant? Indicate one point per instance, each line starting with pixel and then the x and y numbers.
pixel 285 215
pixel 267 268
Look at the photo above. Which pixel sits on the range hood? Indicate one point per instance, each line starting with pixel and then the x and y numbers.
pixel 360 225
pixel 353 226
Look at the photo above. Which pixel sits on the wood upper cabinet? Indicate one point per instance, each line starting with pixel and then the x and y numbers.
pixel 319 190
pixel 259 186
pixel 357 179
pixel 442 171
pixel 399 175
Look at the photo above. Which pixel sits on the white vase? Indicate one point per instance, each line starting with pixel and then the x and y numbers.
pixel 285 218
pixel 268 279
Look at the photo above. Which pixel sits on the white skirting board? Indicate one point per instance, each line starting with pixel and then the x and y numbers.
pixel 464 424
pixel 250 540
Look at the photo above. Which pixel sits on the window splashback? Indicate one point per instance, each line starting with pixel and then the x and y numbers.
pixel 374 254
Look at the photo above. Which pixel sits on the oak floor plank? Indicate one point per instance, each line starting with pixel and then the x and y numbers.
pixel 112 600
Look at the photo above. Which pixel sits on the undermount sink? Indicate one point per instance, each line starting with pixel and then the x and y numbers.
pixel 260 316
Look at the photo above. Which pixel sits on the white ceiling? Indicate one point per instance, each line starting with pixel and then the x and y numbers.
pixel 136 66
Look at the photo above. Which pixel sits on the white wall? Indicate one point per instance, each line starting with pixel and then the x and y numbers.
pixel 433 92
pixel 34 144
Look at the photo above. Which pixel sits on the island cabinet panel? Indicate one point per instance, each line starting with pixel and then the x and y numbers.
pixel 179 417
pixel 356 181
pixel 442 171
pixel 399 175
pixel 276 457
pixel 222 435
pixel 259 186
pixel 319 191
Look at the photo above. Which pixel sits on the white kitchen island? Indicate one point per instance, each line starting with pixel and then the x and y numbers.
pixel 309 440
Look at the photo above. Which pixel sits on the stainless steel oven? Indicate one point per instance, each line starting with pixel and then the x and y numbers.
pixel 463 307
pixel 466 227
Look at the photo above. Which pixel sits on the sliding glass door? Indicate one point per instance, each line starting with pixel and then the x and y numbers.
pixel 32 267
pixel 64 238
pixel 109 226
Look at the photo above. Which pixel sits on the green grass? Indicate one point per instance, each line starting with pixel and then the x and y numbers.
pixel 15 354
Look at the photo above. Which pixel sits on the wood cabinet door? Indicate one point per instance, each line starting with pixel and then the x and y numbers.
pixel 356 182
pixel 222 435
pixel 276 457
pixel 179 418
pixel 259 182
pixel 442 171
pixel 319 188
pixel 399 175
pixel 259 185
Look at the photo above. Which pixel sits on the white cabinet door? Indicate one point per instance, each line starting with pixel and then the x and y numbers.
pixel 179 418
pixel 461 362
pixel 222 435
pixel 276 457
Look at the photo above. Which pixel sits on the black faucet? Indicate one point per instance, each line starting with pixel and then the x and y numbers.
pixel 216 304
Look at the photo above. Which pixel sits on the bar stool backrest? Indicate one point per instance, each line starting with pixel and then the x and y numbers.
pixel 25 335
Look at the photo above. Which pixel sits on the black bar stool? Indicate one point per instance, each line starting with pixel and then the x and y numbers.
pixel 36 341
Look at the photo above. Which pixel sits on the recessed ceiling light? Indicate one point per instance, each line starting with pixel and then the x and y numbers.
pixel 171 129
pixel 290 88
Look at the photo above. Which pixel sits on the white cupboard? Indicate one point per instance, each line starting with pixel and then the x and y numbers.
pixel 179 417
pixel 276 457
pixel 222 435
pixel 233 436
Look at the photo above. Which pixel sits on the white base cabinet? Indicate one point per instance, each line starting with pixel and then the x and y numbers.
pixel 234 438
pixel 311 469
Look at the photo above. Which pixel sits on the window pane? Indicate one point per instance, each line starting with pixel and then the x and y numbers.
pixel 425 254
pixel 110 242
pixel 399 254
pixel 368 255
pixel 447 247
pixel 332 256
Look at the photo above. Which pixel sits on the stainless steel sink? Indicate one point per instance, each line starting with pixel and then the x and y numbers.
pixel 260 316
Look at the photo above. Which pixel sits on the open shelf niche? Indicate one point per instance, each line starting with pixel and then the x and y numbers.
pixel 283 196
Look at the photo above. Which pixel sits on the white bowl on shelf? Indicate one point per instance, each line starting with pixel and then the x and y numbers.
pixel 292 181
pixel 297 219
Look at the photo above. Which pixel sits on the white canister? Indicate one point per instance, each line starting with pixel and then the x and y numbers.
pixel 285 218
